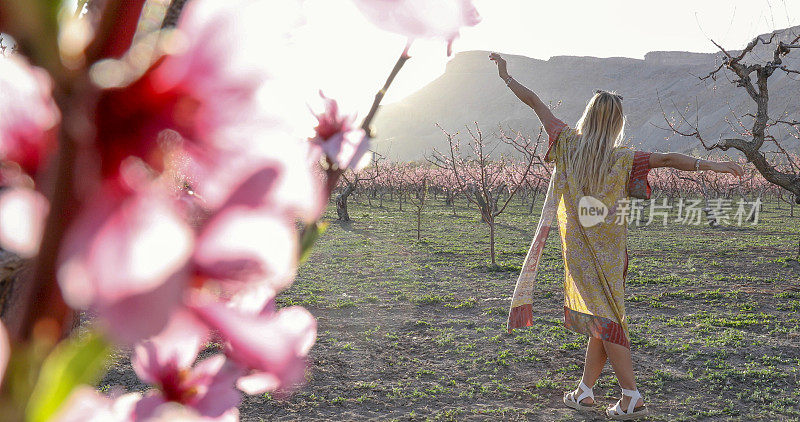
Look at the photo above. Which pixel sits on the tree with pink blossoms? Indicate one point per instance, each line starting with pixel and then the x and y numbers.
pixel 444 181
pixel 537 177
pixel 417 179
pixel 488 184
pixel 156 179
pixel 348 183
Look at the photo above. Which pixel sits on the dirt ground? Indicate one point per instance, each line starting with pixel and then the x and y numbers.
pixel 415 330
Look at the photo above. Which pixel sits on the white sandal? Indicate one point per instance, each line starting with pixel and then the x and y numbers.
pixel 632 412
pixel 575 402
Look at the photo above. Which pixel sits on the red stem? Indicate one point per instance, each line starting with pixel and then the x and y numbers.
pixel 334 174
pixel 45 307
pixel 379 96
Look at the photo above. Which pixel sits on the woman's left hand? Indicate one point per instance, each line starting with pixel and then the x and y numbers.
pixel 501 64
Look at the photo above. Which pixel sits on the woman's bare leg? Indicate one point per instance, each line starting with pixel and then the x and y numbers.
pixel 596 358
pixel 620 357
pixel 595 361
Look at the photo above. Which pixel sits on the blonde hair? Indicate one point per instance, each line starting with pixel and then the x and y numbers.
pixel 600 129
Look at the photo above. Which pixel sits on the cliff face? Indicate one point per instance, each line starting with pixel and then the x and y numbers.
pixel 470 90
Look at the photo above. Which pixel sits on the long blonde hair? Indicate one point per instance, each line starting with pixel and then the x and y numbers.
pixel 601 128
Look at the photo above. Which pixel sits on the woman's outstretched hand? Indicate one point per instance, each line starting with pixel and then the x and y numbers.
pixel 727 167
pixel 501 64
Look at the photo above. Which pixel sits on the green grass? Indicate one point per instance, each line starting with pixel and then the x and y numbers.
pixel 415 330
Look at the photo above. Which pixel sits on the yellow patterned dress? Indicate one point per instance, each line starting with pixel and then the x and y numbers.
pixel 594 249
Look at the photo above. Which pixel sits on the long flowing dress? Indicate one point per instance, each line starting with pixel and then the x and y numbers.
pixel 595 255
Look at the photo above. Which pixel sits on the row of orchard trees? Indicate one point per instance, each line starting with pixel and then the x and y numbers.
pixel 489 182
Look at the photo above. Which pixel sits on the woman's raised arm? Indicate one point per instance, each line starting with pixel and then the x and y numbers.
pixel 687 163
pixel 549 121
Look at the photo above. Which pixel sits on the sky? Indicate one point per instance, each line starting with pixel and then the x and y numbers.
pixel 355 57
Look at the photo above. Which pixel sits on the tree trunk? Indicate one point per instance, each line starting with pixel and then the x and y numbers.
pixel 341 202
pixel 10 270
pixel 491 241
pixel 419 222
pixel 533 202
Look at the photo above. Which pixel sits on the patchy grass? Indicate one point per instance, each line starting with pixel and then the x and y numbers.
pixel 415 330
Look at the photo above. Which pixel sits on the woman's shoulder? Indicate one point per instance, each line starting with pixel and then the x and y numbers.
pixel 623 154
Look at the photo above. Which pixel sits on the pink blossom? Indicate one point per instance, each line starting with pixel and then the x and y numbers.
pixel 86 404
pixel 22 217
pixel 274 345
pixel 421 18
pixel 208 388
pixel 174 412
pixel 205 90
pixel 132 258
pixel 28 114
pixel 343 144
pixel 250 238
pixel 12 174
pixel 171 351
pixel 227 110
pixel 248 246
pixel 125 254
pixel 166 361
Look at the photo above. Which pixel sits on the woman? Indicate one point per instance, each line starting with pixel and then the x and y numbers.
pixel 590 161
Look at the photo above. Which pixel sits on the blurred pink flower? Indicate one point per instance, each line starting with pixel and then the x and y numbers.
pixel 206 91
pixel 13 175
pixel 125 258
pixel 28 115
pixel 343 144
pixel 274 345
pixel 209 388
pixel 240 246
pixel 248 242
pixel 22 217
pixel 86 404
pixel 174 412
pixel 133 259
pixel 173 350
pixel 167 361
pixel 421 18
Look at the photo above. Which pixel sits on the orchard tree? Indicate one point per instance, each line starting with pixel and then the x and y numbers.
pixel 759 134
pixel 487 183
pixel 416 179
pixel 349 182
pixel 539 175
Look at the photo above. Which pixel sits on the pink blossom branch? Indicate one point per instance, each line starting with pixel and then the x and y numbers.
pixel 334 173
pixel 380 94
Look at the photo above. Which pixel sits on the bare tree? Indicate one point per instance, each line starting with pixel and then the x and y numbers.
pixel 349 181
pixel 483 180
pixel 416 179
pixel 535 180
pixel 781 168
